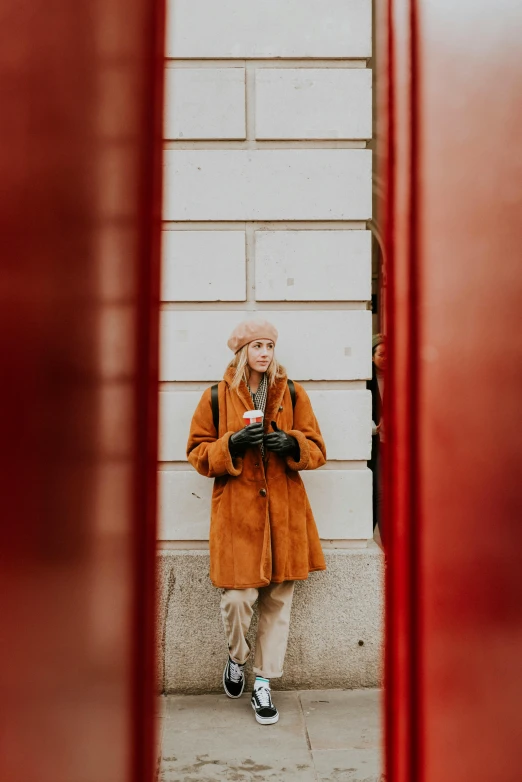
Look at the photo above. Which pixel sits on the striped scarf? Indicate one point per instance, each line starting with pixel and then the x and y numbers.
pixel 259 400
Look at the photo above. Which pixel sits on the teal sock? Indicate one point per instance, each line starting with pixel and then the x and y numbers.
pixel 261 682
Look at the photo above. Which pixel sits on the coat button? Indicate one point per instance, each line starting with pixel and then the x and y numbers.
pixel 262 492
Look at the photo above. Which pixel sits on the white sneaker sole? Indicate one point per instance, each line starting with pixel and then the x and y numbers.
pixel 234 697
pixel 265 720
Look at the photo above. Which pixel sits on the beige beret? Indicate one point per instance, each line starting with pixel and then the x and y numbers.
pixel 250 330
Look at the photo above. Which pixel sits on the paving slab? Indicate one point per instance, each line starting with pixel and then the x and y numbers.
pixel 245 764
pixel 329 735
pixel 343 719
pixel 211 738
pixel 207 716
pixel 347 765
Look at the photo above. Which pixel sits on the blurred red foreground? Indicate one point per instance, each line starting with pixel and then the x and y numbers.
pixel 80 103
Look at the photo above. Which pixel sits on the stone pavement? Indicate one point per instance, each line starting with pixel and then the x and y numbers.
pixel 321 735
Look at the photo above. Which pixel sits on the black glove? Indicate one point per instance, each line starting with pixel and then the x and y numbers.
pixel 249 437
pixel 280 442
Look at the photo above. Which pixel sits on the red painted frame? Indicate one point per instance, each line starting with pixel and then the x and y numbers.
pixel 80 153
pixel 144 679
pixel 397 117
pixel 453 171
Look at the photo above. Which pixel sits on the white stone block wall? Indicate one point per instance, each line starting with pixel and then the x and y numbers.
pixel 205 103
pixel 203 266
pixel 312 344
pixel 267 197
pixel 313 265
pixel 268 28
pixel 267 184
pixel 312 103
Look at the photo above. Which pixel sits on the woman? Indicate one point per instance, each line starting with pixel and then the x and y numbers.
pixel 376 386
pixel 263 535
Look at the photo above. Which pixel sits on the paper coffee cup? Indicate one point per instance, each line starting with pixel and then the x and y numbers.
pixel 253 417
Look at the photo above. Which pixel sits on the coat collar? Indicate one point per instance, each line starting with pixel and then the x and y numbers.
pixel 274 396
pixel 274 399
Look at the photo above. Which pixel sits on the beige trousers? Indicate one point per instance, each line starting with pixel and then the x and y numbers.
pixel 275 604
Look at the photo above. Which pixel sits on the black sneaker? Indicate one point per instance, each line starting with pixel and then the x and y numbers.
pixel 266 712
pixel 233 679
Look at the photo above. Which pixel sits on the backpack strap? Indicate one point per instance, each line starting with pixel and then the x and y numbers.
pixel 214 398
pixel 291 388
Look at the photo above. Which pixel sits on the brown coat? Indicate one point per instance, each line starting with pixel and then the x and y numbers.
pixel 262 529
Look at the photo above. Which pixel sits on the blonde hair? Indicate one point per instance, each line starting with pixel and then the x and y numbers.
pixel 240 364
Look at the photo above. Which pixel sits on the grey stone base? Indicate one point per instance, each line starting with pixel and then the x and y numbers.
pixel 336 633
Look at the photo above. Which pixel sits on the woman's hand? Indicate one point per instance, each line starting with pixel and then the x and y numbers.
pixel 280 442
pixel 248 437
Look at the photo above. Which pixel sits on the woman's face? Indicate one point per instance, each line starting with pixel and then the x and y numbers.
pixel 379 357
pixel 260 354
